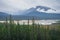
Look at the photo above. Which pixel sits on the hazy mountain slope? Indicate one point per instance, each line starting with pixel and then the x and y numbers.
pixel 32 12
pixel 3 15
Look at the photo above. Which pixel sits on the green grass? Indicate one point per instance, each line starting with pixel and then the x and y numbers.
pixel 11 31
pixel 29 32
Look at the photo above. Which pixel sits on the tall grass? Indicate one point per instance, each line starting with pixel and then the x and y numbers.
pixel 11 31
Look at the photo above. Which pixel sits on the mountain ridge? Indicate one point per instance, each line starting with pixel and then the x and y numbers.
pixel 32 12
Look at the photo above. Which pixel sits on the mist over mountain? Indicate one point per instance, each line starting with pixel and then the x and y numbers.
pixel 33 12
pixel 37 8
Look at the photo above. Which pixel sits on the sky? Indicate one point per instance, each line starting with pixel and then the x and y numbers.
pixel 11 6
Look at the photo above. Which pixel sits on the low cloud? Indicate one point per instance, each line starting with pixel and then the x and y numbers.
pixel 16 5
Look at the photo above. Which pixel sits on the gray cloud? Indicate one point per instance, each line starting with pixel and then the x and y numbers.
pixel 15 5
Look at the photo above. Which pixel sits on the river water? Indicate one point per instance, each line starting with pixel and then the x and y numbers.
pixel 43 22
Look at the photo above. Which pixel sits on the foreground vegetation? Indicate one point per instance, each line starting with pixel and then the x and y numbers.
pixel 11 31
pixel 29 32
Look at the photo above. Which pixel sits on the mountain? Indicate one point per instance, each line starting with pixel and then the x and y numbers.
pixel 3 15
pixel 42 15
pixel 38 15
pixel 44 7
pixel 32 12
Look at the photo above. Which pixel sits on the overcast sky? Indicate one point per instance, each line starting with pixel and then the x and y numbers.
pixel 16 5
